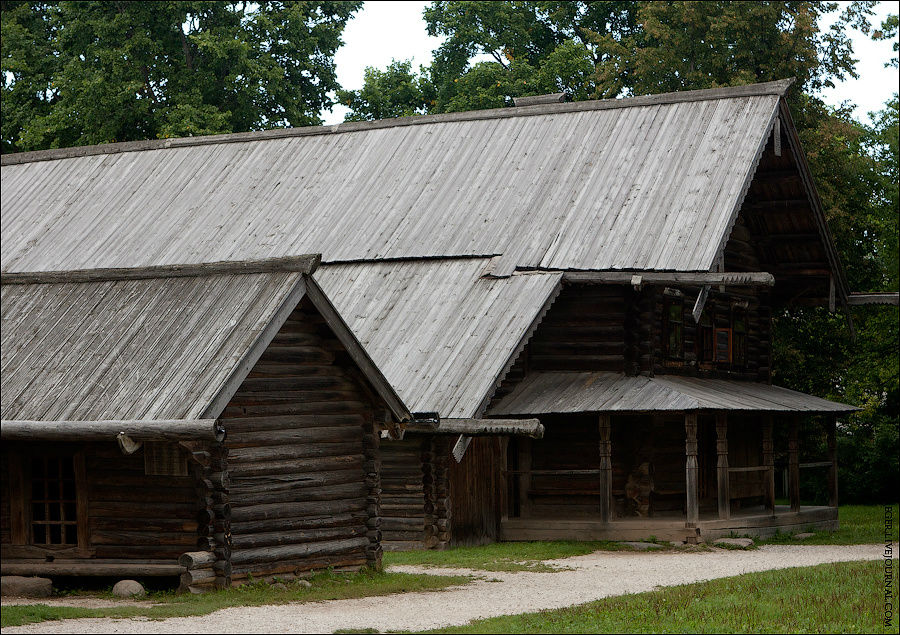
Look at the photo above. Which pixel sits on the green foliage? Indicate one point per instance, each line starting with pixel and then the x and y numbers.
pixel 325 586
pixel 393 92
pixel 859 525
pixel 79 73
pixel 845 597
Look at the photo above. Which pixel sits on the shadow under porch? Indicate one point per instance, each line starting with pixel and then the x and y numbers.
pixel 674 476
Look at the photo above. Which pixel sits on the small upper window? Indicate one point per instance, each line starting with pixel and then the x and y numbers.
pixel 706 346
pixel 674 329
pixel 739 337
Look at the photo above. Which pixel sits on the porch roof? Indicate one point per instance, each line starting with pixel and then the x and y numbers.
pixel 570 392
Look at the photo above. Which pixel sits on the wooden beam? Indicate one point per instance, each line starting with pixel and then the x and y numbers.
pixel 691 469
pixel 722 486
pixel 728 278
pixel 138 568
pixel 605 428
pixel 794 463
pixel 305 264
pixel 482 427
pixel 831 441
pixel 155 429
pixel 768 446
pixel 886 297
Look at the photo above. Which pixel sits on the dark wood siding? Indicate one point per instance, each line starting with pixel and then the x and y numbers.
pixel 477 489
pixel 404 505
pixel 302 456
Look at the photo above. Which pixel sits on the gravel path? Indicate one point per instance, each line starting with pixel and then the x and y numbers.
pixel 589 577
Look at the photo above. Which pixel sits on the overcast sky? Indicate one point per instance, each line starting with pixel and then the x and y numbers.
pixel 383 31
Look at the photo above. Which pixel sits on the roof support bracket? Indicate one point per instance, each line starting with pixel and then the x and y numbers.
pixel 700 303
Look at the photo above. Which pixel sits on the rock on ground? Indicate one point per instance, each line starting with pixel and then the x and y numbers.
pixel 734 542
pixel 642 546
pixel 20 586
pixel 128 589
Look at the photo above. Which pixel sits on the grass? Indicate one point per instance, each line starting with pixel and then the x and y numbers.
pixel 832 598
pixel 859 525
pixel 501 556
pixel 325 586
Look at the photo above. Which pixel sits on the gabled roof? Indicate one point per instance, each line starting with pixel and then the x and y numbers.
pixel 164 343
pixel 569 392
pixel 441 333
pixel 649 183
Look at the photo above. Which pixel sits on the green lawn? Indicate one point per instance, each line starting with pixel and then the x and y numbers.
pixel 859 525
pixel 325 586
pixel 833 598
pixel 500 556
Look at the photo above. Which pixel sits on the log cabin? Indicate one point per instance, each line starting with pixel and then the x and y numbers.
pixel 580 295
pixel 210 421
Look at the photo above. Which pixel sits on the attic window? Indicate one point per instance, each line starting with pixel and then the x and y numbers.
pixel 674 328
pixel 164 459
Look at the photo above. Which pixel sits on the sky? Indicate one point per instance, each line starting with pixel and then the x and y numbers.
pixel 385 30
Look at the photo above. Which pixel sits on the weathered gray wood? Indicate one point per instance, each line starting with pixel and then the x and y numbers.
pixel 197 559
pixel 747 278
pixel 691 468
pixel 305 264
pixel 155 429
pixel 723 490
pixel 535 100
pixel 478 427
pixel 887 297
pixel 136 568
pixel 697 311
pixel 770 88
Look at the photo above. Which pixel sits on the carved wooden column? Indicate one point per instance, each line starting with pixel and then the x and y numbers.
pixel 794 463
pixel 605 468
pixel 691 469
pixel 722 487
pixel 831 438
pixel 768 446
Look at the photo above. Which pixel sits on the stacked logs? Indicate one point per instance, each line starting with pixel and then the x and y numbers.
pixel 372 471
pixel 405 510
pixel 437 533
pixel 210 567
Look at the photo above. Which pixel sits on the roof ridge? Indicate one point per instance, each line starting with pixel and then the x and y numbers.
pixel 305 264
pixel 778 87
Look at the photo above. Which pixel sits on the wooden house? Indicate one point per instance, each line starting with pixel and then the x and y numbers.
pixel 601 274
pixel 211 421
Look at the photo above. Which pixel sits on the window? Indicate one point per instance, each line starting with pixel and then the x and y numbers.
pixel 723 346
pixel 674 329
pixel 54 520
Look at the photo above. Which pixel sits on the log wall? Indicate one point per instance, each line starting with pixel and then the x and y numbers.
pixel 404 506
pixel 129 515
pixel 303 458
pixel 477 489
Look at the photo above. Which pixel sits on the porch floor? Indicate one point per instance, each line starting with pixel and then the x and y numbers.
pixel 752 522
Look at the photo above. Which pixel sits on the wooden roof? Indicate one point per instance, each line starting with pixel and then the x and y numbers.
pixel 157 344
pixel 569 392
pixel 442 334
pixel 649 183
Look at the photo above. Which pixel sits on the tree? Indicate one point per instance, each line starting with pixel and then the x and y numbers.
pixel 393 92
pixel 79 73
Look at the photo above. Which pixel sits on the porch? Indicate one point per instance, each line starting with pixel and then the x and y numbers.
pixel 755 522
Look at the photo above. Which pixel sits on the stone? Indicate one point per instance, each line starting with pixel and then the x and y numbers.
pixel 677 543
pixel 642 546
pixel 740 543
pixel 304 583
pixel 279 586
pixel 129 589
pixel 803 536
pixel 24 587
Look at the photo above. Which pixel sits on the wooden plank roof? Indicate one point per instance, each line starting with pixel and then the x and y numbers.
pixel 569 392
pixel 441 334
pixel 649 183
pixel 171 344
